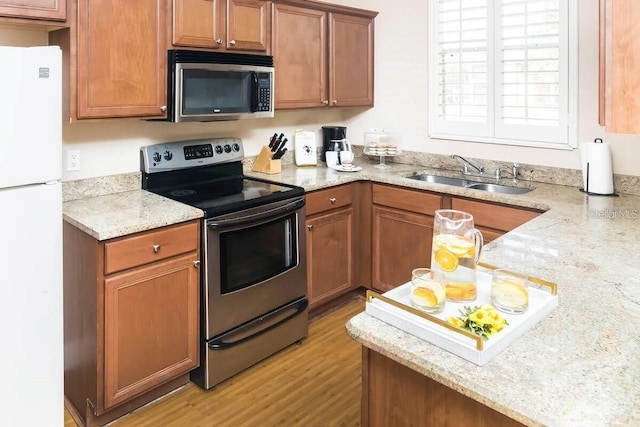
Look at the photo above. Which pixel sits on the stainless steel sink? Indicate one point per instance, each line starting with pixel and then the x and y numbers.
pixel 497 188
pixel 440 179
pixel 474 185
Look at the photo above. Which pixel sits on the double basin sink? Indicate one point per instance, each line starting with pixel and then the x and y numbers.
pixel 475 185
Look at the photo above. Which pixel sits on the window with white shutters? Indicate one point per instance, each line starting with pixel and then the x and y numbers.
pixel 500 71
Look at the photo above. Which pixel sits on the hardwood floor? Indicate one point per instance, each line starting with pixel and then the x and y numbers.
pixel 315 383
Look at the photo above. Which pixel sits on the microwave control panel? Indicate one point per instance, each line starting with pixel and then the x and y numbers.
pixel 264 92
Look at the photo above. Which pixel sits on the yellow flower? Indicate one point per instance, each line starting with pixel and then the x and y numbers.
pixel 459 323
pixel 479 317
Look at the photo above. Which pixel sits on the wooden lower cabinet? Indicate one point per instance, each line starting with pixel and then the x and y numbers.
pixel 402 230
pixel 492 219
pixel 132 324
pixel 395 395
pixel 330 244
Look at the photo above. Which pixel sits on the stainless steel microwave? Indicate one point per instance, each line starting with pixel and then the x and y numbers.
pixel 207 86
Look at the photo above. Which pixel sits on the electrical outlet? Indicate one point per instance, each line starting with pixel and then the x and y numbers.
pixel 73 160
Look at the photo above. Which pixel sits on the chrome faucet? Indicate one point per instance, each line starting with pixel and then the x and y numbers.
pixel 466 163
pixel 515 172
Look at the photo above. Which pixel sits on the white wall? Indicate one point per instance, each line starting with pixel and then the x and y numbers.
pixel 111 147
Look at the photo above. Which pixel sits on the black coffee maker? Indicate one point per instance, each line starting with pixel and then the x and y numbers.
pixel 330 133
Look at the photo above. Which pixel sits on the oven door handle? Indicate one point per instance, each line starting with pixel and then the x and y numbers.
pixel 256 216
pixel 261 326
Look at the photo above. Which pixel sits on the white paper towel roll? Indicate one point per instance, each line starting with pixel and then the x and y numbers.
pixel 597 169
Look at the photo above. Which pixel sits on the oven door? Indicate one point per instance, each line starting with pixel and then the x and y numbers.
pixel 255 262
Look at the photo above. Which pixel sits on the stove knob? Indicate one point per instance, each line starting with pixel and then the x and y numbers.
pixel 168 155
pixel 218 149
pixel 236 147
pixel 157 157
pixel 227 148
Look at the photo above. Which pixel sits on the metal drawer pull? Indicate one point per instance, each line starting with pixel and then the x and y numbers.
pixel 156 248
pixel 196 263
pixel 310 226
pixel 332 200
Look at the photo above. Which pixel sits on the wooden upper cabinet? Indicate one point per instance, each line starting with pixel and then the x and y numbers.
pixel 242 26
pixel 55 10
pixel 620 66
pixel 299 53
pixel 323 55
pixel 121 58
pixel 350 60
pixel 114 61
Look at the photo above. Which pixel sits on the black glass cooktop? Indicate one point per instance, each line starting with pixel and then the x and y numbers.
pixel 217 189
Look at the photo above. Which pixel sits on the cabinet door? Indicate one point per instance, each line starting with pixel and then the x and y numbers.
pixel 329 255
pixel 299 54
pixel 249 26
pixel 151 327
pixel 199 23
pixel 620 65
pixel 121 58
pixel 401 242
pixel 350 60
pixel 35 9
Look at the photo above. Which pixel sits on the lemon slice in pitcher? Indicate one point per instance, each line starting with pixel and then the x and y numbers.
pixel 457 245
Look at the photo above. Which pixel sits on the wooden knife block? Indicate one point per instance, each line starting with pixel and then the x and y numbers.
pixel 265 164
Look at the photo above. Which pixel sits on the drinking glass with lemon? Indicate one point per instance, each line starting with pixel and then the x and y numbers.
pixel 455 252
pixel 427 290
pixel 509 291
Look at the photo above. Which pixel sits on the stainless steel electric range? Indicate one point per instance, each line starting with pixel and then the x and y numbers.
pixel 254 278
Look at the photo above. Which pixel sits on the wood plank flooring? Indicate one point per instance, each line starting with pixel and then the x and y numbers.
pixel 315 383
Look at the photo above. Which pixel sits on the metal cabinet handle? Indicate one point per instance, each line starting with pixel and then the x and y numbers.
pixel 232 42
pixel 156 248
pixel 332 200
pixel 196 263
pixel 325 102
pixel 310 226
pixel 334 102
pixel 218 42
pixel 163 108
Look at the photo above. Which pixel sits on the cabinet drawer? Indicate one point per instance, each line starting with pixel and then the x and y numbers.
pixel 408 200
pixel 495 216
pixel 150 246
pixel 331 198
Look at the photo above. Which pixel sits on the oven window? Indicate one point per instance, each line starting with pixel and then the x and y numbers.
pixel 207 91
pixel 252 255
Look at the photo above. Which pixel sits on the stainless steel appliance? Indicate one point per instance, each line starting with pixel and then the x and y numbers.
pixel 254 279
pixel 329 134
pixel 209 86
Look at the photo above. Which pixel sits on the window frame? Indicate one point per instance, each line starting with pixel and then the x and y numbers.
pixel 464 131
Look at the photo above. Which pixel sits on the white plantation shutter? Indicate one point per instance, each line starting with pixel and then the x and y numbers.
pixel 499 70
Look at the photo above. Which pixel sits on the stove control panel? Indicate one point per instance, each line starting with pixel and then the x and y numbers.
pixel 191 153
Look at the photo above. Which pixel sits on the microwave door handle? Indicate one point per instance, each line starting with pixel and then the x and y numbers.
pixel 254 92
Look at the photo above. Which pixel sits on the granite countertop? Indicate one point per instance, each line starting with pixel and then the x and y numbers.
pixel 579 365
pixel 119 214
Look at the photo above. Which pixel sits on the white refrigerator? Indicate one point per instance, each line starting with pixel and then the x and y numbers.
pixel 31 337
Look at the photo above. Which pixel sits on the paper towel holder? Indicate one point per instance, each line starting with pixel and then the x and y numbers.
pixel 586 190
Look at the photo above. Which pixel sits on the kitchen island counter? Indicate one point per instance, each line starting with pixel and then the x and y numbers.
pixel 578 366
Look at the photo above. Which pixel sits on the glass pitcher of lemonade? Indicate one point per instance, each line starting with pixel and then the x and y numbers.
pixel 455 252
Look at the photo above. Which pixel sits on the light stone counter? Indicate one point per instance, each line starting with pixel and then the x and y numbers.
pixel 580 365
pixel 118 214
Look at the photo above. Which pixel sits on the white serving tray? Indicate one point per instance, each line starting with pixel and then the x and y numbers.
pixel 394 307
